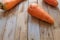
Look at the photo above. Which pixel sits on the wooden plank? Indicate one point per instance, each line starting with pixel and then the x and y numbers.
pixel 23 22
pixel 3 21
pixel 10 25
pixel 58 5
pixel 10 29
pixel 21 29
pixel 33 26
pixel 41 28
pixel 50 33
pixel 45 29
pixel 56 15
pixel 56 34
pixel 33 1
pixel 33 29
pixel 17 30
pixel 2 26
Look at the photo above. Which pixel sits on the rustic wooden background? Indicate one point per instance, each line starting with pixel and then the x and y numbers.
pixel 17 24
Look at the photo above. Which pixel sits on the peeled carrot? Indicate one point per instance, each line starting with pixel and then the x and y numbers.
pixel 51 2
pixel 39 13
pixel 9 4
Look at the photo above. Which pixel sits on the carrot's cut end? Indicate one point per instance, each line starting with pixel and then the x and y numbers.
pixel 2 6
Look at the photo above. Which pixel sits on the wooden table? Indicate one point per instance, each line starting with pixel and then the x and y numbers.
pixel 17 24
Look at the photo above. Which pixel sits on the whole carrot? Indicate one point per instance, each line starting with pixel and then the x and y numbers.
pixel 51 2
pixel 39 13
pixel 8 4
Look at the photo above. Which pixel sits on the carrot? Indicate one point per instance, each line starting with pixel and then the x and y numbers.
pixel 39 13
pixel 9 4
pixel 51 2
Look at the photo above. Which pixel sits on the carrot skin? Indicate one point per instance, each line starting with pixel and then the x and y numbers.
pixel 39 13
pixel 9 4
pixel 53 3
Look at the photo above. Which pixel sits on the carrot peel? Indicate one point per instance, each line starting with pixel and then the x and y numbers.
pixel 9 4
pixel 53 3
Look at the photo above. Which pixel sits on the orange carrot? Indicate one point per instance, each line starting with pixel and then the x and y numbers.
pixel 39 13
pixel 51 2
pixel 9 4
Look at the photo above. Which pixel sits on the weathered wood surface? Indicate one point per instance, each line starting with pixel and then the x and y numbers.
pixel 17 24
